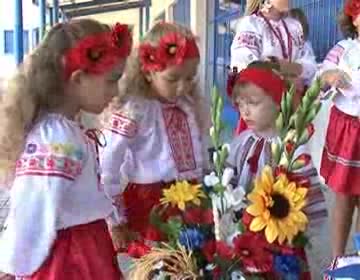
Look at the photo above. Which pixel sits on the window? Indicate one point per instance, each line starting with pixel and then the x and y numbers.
pixel 35 37
pixel 181 12
pixel 26 41
pixel 8 42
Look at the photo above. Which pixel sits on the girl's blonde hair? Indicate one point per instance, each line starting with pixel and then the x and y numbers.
pixel 134 81
pixel 252 6
pixel 38 86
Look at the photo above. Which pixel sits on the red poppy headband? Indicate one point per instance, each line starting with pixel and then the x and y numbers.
pixel 97 54
pixel 173 49
pixel 352 8
pixel 270 82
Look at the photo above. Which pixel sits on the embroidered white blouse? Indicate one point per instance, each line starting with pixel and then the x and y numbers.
pixel 149 141
pixel 345 55
pixel 56 186
pixel 247 144
pixel 255 40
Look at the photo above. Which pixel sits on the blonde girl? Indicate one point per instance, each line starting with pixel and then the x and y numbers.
pixel 155 132
pixel 56 226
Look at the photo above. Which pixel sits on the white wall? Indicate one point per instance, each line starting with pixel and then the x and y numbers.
pixel 31 19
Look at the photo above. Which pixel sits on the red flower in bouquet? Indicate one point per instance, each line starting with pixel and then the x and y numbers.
pixel 153 234
pixel 246 219
pixel 172 48
pixel 252 250
pixel 198 216
pixel 224 251
pixel 209 250
pixel 137 249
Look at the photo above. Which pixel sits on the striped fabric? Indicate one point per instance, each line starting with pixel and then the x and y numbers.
pixel 4 207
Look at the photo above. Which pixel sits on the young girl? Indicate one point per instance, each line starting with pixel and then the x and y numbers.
pixel 257 91
pixel 340 164
pixel 268 33
pixel 155 133
pixel 56 226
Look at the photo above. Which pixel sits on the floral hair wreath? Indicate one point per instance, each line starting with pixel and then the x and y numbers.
pixel 98 53
pixel 173 49
pixel 352 8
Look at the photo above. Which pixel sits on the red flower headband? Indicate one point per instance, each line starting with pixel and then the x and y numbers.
pixel 98 53
pixel 173 49
pixel 270 82
pixel 352 9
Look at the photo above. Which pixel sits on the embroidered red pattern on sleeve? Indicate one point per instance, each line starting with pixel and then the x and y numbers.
pixel 335 54
pixel 249 40
pixel 48 165
pixel 123 125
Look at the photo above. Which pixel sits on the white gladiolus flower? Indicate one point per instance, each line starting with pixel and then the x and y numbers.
pixel 237 275
pixel 227 176
pixel 215 155
pixel 212 131
pixel 227 147
pixel 211 180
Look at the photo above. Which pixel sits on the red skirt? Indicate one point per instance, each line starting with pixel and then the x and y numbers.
pixel 81 252
pixel 340 165
pixel 139 200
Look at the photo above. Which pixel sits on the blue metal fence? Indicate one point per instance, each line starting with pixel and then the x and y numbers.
pixel 324 33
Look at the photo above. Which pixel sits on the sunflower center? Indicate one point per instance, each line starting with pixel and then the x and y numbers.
pixel 281 206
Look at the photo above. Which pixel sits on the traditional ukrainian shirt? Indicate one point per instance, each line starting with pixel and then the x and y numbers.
pixel 256 40
pixel 149 142
pixel 345 56
pixel 56 186
pixel 244 147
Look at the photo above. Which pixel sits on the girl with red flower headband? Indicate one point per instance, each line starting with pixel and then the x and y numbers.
pixel 155 131
pixel 257 91
pixel 56 226
pixel 340 165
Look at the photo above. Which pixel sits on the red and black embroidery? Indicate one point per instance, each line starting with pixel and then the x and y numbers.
pixel 123 125
pixel 178 132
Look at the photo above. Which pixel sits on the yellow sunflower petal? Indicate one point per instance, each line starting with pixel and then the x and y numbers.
pixel 256 209
pixel 271 231
pixel 257 224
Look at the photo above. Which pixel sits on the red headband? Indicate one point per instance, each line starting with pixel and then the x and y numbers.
pixel 270 82
pixel 98 53
pixel 352 9
pixel 173 49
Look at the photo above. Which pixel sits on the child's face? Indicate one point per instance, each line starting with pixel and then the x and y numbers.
pixel 281 5
pixel 175 81
pixel 97 91
pixel 257 109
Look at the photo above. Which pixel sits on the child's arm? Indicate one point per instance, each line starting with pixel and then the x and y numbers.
pixel 52 160
pixel 315 209
pixel 116 161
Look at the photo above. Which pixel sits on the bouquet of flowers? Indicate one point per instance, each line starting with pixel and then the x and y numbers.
pixel 214 230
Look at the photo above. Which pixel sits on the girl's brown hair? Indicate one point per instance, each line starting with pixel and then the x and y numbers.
pixel 253 6
pixel 346 25
pixel 134 81
pixel 37 86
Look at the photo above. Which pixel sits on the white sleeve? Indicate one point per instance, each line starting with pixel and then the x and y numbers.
pixel 315 209
pixel 116 158
pixel 308 61
pixel 247 44
pixel 48 167
pixel 333 57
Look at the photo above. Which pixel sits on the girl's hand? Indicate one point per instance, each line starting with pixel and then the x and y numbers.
pixel 336 78
pixel 121 236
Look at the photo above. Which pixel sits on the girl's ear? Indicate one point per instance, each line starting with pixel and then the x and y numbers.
pixel 77 77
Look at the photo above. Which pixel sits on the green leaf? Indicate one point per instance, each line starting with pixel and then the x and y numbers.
pixel 300 241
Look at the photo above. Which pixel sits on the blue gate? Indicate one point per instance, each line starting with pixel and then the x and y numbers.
pixel 322 15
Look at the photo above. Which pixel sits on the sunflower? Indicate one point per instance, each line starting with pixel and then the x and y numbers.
pixel 181 193
pixel 277 205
